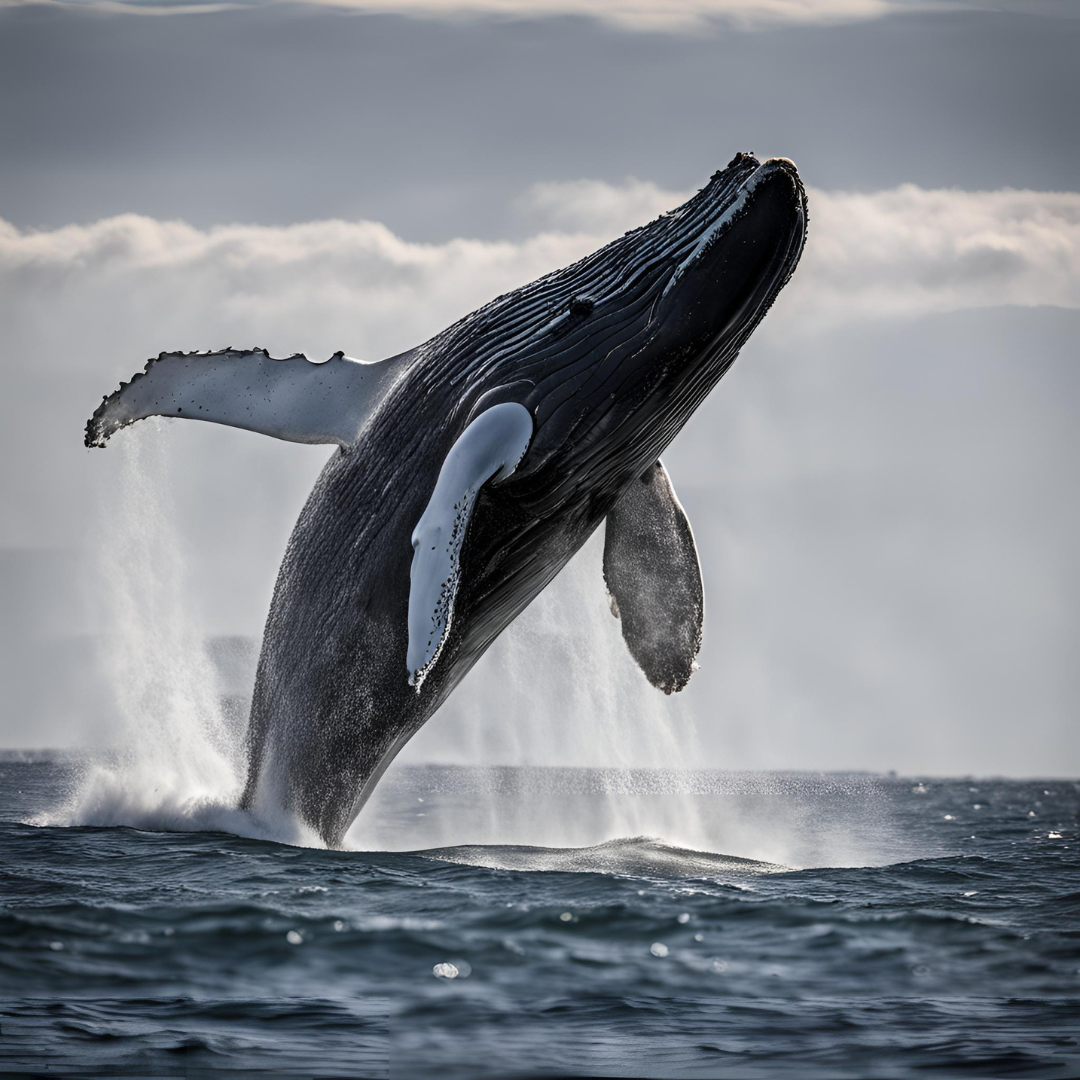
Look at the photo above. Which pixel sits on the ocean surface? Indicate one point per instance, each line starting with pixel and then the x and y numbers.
pixel 820 926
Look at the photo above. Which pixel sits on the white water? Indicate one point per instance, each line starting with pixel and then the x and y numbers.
pixel 173 760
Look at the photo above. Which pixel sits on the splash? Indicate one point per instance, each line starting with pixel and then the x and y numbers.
pixel 176 757
pixel 558 689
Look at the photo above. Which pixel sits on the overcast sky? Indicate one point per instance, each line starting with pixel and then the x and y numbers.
pixel 883 490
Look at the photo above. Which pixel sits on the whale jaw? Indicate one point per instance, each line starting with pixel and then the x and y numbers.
pixel 745 252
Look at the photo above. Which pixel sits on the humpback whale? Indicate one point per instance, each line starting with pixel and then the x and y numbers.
pixel 471 468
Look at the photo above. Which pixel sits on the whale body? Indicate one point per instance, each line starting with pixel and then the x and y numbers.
pixel 471 468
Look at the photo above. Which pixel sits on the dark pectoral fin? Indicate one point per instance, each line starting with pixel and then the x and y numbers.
pixel 653 578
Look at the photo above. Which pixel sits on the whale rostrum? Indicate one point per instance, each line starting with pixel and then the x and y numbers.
pixel 470 469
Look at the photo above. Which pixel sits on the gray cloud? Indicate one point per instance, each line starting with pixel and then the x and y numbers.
pixel 135 7
pixel 903 252
pixel 674 16
pixel 641 15
pixel 597 207
pixel 289 113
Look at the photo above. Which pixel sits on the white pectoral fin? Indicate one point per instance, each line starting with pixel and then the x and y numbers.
pixel 295 399
pixel 488 449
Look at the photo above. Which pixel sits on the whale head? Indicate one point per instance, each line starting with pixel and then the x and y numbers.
pixel 635 336
pixel 733 248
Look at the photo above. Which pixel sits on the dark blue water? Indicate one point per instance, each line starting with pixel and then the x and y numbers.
pixel 137 953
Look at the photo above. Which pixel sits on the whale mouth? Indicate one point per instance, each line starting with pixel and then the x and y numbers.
pixel 639 856
pixel 752 234
pixel 777 176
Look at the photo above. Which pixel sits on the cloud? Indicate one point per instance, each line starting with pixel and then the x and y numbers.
pixel 672 15
pixel 134 7
pixel 910 251
pixel 642 15
pixel 364 289
pixel 596 207
pixel 899 253
pixel 669 16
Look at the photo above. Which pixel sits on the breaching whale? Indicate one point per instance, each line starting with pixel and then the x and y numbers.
pixel 472 467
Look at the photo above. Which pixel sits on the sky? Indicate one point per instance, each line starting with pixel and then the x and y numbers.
pixel 882 490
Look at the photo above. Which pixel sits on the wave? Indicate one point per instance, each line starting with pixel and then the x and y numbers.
pixel 638 856
pixel 170 796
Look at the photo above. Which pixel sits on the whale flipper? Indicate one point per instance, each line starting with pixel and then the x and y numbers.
pixel 653 579
pixel 489 448
pixel 295 399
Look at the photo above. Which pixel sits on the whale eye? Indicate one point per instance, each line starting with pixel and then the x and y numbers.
pixel 580 306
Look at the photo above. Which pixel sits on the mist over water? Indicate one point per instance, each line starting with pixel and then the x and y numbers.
pixel 561 742
pixel 558 689
pixel 172 758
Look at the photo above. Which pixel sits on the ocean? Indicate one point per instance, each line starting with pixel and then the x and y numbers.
pixel 551 922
